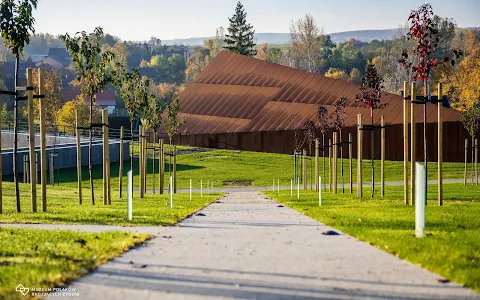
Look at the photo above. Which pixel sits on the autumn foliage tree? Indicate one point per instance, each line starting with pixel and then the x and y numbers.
pixel 54 100
pixel 423 28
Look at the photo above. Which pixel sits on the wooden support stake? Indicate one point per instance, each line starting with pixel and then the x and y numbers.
pixel 153 163
pixel 31 135
pixel 382 166
pixel 120 163
pixel 359 156
pixel 466 160
pixel 43 140
pixel 476 161
pixel 79 159
pixel 104 165
pixel 413 96
pixel 145 141
pixel 162 167
pixel 405 144
pixel 440 149
pixel 335 154
pixel 350 152
pixel 330 164
pixel 174 169
pixel 1 174
pixel 317 154
pixel 109 190
pixel 25 168
pixel 140 161
pixel 304 169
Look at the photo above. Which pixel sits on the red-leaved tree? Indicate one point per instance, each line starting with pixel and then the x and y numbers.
pixel 423 29
pixel 324 124
pixel 370 95
pixel 339 117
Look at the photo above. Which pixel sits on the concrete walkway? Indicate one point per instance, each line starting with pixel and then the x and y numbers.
pixel 247 246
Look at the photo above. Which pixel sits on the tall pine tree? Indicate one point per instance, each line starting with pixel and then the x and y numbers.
pixel 240 33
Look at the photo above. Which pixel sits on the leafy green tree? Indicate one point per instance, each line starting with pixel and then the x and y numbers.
pixel 160 63
pixel 172 123
pixel 177 67
pixel 16 25
pixel 91 64
pixel 127 83
pixel 240 37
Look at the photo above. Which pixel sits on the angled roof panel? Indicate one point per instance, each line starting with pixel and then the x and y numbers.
pixel 236 93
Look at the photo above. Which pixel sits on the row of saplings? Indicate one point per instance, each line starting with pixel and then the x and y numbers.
pixel 95 69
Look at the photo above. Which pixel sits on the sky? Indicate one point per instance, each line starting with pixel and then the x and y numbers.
pixel 168 19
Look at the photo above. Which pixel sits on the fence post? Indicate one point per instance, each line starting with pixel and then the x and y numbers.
pixel 412 143
pixel 120 163
pixel 382 166
pixel 440 143
pixel 31 135
pixel 43 141
pixel 359 156
pixel 79 159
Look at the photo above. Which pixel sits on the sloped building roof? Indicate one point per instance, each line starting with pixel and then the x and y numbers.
pixel 237 93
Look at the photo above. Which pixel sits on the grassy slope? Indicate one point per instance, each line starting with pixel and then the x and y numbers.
pixel 260 168
pixel 451 249
pixel 49 258
pixel 62 207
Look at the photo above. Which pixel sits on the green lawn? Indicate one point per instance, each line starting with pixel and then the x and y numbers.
pixel 63 208
pixel 451 249
pixel 51 258
pixel 220 166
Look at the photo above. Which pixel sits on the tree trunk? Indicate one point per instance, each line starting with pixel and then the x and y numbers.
pixel 341 161
pixel 90 145
pixel 15 139
pixel 372 150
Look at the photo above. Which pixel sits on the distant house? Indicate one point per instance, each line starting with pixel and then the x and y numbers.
pixel 54 62
pixel 105 99
pixel 153 73
pixel 60 52
pixel 168 51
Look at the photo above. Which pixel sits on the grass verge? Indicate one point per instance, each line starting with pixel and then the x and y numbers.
pixel 63 208
pixel 52 258
pixel 452 245
pixel 219 166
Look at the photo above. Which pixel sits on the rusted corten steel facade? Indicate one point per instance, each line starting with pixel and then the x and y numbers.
pixel 239 102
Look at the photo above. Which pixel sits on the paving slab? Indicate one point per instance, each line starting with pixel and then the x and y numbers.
pixel 246 246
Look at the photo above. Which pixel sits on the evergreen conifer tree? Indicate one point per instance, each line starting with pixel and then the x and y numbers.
pixel 240 37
